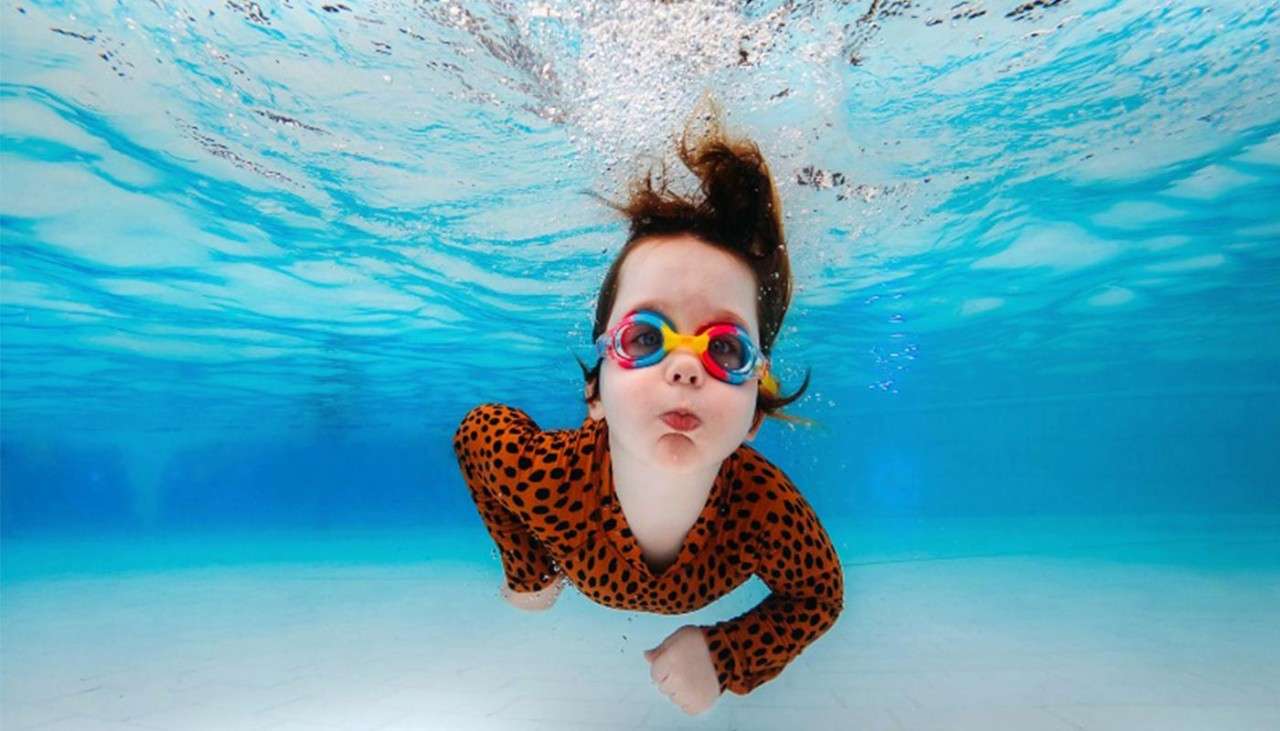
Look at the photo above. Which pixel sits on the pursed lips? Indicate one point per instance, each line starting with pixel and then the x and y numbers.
pixel 681 419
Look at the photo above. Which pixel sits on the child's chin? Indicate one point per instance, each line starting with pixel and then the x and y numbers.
pixel 678 449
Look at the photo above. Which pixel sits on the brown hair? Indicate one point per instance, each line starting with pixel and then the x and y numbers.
pixel 738 212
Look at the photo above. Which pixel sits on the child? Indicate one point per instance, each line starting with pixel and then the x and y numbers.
pixel 655 503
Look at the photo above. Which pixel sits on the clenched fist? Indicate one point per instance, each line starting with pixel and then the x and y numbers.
pixel 534 601
pixel 681 667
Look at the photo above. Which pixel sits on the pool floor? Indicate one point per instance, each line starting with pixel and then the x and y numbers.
pixel 1017 623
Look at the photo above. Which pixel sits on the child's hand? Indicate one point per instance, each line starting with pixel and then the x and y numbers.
pixel 534 601
pixel 682 669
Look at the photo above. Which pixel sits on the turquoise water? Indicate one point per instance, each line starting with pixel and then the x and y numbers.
pixel 256 267
pixel 258 261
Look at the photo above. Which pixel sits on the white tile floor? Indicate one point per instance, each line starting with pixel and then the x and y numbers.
pixel 953 624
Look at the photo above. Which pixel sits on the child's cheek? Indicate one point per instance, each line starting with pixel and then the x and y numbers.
pixel 630 392
pixel 645 390
pixel 735 404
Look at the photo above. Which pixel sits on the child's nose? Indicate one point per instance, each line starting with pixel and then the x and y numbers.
pixel 685 367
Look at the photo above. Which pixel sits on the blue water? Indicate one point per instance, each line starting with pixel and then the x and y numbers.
pixel 256 268
pixel 259 261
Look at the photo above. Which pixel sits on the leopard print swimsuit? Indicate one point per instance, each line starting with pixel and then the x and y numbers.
pixel 547 500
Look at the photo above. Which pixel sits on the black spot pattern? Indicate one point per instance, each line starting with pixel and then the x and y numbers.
pixel 547 500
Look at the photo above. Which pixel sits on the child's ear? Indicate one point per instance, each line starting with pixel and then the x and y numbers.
pixel 595 409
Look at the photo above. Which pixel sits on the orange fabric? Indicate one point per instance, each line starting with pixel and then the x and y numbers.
pixel 547 500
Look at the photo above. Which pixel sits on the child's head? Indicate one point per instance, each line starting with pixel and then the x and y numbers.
pixel 718 257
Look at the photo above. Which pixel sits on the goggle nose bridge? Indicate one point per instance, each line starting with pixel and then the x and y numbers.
pixel 672 340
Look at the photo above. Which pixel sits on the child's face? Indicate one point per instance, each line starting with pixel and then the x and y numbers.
pixel 693 284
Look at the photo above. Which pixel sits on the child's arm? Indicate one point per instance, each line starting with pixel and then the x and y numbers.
pixel 795 558
pixel 488 472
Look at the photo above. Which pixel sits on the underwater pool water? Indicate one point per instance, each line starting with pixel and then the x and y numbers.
pixel 258 261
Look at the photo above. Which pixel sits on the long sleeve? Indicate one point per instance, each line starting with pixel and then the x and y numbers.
pixel 794 556
pixel 491 445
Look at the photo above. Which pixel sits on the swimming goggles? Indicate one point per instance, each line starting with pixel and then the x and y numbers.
pixel 644 337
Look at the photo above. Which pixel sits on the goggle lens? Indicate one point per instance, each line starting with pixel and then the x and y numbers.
pixel 640 340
